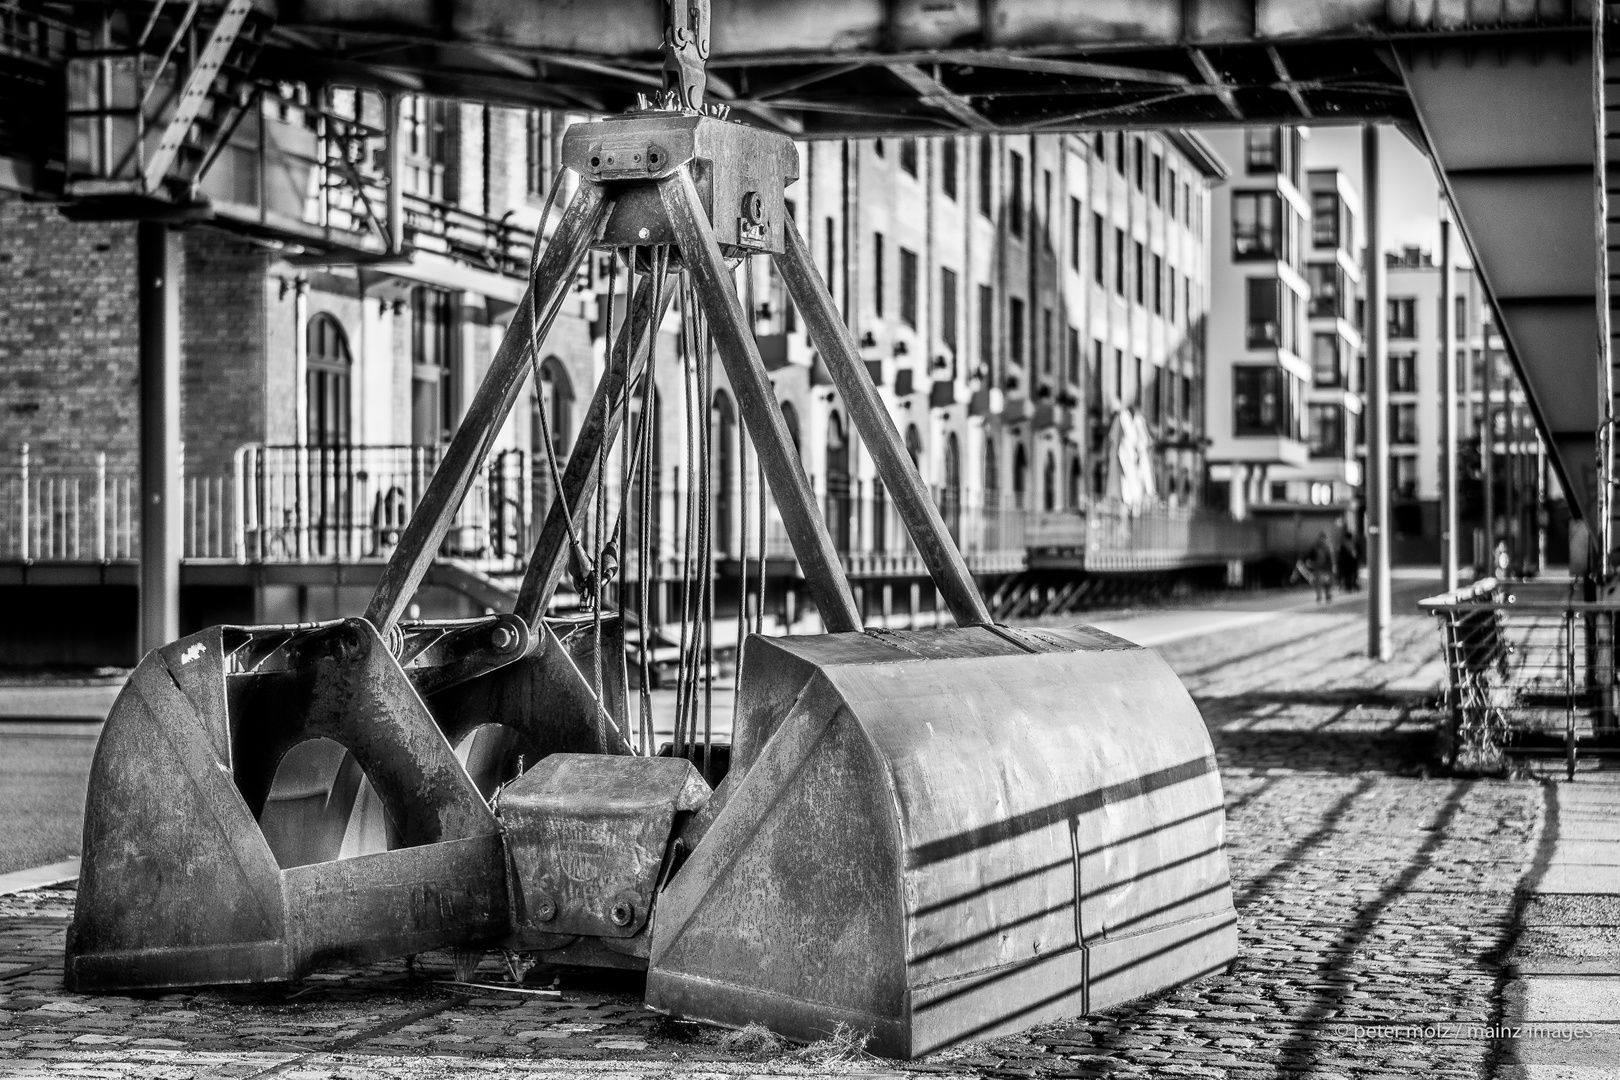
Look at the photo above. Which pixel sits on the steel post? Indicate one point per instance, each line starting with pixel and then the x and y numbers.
pixel 1377 479
pixel 158 262
pixel 832 338
pixel 756 400
pixel 419 543
pixel 1487 453
pixel 602 421
pixel 1448 412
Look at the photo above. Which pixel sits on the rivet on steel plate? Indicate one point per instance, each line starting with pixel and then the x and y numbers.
pixel 622 913
pixel 545 908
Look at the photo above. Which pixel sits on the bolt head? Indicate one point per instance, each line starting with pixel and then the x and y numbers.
pixel 545 909
pixel 622 913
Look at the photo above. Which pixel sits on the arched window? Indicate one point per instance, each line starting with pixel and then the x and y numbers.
pixel 951 492
pixel 326 383
pixel 724 419
pixel 1076 479
pixel 1020 478
pixel 556 397
pixel 838 502
pixel 1049 484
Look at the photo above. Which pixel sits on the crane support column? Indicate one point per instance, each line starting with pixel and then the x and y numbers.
pixel 158 268
pixel 1448 412
pixel 1377 479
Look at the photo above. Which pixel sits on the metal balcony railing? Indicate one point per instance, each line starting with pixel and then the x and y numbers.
pixel 347 504
pixel 281 504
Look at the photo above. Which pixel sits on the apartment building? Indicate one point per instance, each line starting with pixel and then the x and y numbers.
pixel 1260 369
pixel 1019 301
pixel 1521 481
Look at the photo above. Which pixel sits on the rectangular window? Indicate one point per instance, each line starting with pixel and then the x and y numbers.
pixel 1099 146
pixel 1187 203
pixel 1149 393
pixel 1158 180
pixel 947 311
pixel 1325 219
pixel 1461 324
pixel 1094 380
pixel 987 160
pixel 541 161
pixel 1046 209
pixel 1326 430
pixel 1172 296
pixel 987 327
pixel 877 273
pixel 1074 234
pixel 1015 330
pixel 1402 316
pixel 1158 285
pixel 1119 374
pixel 1403 373
pixel 1172 193
pixel 947 168
pixel 1119 261
pixel 1256 225
pixel 1098 253
pixel 1262 400
pixel 1403 423
pixel 1404 481
pixel 877 146
pixel 1015 193
pixel 1119 152
pixel 1327 290
pixel 1046 341
pixel 1262 150
pixel 1325 366
pixel 433 344
pixel 1074 356
pixel 1264 322
pixel 832 250
pixel 1141 165
pixel 908 155
pixel 908 288
pixel 1140 266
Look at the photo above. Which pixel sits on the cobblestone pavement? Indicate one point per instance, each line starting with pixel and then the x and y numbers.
pixel 1368 894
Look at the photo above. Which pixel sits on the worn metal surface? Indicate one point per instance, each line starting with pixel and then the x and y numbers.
pixel 442 653
pixel 179 884
pixel 543 704
pixel 588 837
pixel 954 833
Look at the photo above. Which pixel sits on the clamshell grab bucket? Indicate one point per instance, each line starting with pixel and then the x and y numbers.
pixel 180 886
pixel 948 835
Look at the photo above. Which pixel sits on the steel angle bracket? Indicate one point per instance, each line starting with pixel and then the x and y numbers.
pixel 740 174
pixel 180 885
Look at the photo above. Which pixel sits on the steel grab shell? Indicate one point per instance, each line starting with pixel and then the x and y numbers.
pixel 180 885
pixel 946 835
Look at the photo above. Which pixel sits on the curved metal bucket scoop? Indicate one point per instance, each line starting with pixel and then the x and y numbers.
pixel 947 835
pixel 180 884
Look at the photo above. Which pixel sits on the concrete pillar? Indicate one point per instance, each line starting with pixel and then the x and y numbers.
pixel 1377 479
pixel 1448 413
pixel 162 495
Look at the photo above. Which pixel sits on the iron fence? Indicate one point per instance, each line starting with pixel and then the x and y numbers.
pixel 350 503
pixel 1530 669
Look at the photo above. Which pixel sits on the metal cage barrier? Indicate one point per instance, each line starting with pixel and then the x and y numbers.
pixel 1530 670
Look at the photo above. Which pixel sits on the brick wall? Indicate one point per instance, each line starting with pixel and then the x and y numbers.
pixel 69 337
pixel 223 336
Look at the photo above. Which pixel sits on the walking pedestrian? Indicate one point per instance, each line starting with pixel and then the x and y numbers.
pixel 1320 563
pixel 1348 563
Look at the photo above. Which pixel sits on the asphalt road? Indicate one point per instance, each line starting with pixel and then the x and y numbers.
pixel 44 764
